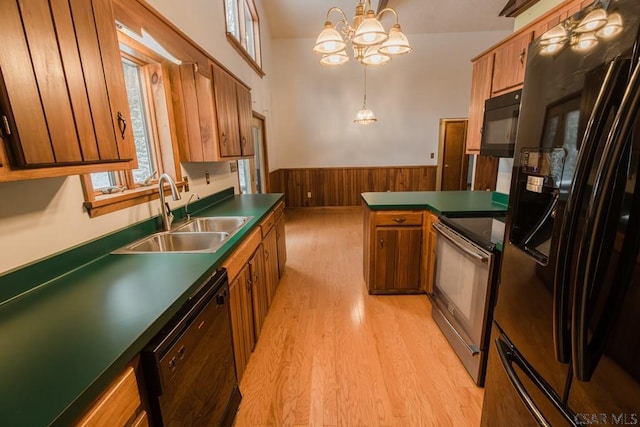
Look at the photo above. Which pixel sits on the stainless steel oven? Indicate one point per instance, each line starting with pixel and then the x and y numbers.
pixel 464 288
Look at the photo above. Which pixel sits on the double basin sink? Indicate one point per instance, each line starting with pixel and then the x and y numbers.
pixel 204 234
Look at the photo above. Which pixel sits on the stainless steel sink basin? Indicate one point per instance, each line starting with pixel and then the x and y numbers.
pixel 177 243
pixel 213 224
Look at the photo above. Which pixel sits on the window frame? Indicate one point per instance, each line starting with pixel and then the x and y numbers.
pixel 240 45
pixel 166 157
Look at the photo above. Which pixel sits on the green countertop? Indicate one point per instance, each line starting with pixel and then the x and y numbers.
pixel 65 340
pixel 450 203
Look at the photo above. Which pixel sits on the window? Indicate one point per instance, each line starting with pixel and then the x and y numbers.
pixel 243 30
pixel 148 97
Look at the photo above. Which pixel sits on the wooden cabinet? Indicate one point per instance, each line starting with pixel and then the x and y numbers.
pixel 281 238
pixel 480 91
pixel 393 251
pixel 500 69
pixel 234 113
pixel 270 247
pixel 510 60
pixel 432 240
pixel 119 405
pixel 242 323
pixel 63 102
pixel 194 114
pixel 245 119
pixel 259 291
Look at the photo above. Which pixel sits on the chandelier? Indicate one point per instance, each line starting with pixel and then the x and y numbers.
pixel 371 44
pixel 582 34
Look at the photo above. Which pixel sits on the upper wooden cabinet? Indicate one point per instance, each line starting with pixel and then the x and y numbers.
pixel 234 112
pixel 194 114
pixel 245 117
pixel 480 91
pixel 62 94
pixel 501 68
pixel 509 63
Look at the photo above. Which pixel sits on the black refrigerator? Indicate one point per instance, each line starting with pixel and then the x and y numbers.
pixel 565 344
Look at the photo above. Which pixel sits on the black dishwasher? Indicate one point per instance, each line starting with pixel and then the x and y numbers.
pixel 189 365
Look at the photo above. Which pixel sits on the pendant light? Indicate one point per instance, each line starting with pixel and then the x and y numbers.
pixel 365 116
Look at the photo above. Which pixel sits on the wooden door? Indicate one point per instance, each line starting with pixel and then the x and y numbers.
pixel 245 117
pixel 259 290
pixel 271 264
pixel 397 258
pixel 62 94
pixel 227 113
pixel 480 91
pixel 510 63
pixel 453 160
pixel 281 243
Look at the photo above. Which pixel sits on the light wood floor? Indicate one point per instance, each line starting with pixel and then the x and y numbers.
pixel 332 355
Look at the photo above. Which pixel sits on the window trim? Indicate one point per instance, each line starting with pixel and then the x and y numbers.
pixel 239 45
pixel 96 203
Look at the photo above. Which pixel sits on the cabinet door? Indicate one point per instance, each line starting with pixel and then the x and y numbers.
pixel 480 91
pixel 397 258
pixel 270 244
pixel 510 62
pixel 431 251
pixel 258 290
pixel 62 95
pixel 245 117
pixel 242 326
pixel 194 112
pixel 281 243
pixel 227 113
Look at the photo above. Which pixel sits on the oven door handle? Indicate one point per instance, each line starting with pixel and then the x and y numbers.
pixel 473 350
pixel 460 243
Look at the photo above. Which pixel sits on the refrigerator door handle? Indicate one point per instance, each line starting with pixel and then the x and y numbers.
pixel 586 155
pixel 509 356
pixel 595 246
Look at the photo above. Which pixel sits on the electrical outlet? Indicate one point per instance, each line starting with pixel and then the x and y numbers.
pixel 207 177
pixel 432 155
pixel 308 194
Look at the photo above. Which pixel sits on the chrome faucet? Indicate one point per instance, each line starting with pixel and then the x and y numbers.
pixel 186 207
pixel 167 215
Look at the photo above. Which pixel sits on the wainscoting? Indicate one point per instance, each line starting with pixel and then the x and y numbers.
pixel 342 186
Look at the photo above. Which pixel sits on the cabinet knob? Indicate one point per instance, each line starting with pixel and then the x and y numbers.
pixel 381 242
pixel 224 138
pixel 522 54
pixel 399 220
pixel 5 123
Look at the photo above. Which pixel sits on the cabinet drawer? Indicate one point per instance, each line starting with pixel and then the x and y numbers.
pixel 398 218
pixel 116 405
pixel 267 223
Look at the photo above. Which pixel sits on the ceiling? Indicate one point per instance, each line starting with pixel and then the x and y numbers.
pixel 304 18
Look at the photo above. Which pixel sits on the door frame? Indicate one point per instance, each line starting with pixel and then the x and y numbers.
pixel 265 154
pixel 441 134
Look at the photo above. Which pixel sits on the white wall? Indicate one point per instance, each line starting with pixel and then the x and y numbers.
pixel 314 105
pixel 46 216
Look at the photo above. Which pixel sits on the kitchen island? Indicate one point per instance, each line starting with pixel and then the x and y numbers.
pixel 399 241
pixel 72 323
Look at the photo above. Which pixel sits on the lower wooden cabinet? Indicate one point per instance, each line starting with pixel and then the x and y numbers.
pixel 119 405
pixel 253 275
pixel 432 240
pixel 281 239
pixel 242 324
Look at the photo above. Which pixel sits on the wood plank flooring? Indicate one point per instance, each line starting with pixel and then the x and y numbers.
pixel 331 355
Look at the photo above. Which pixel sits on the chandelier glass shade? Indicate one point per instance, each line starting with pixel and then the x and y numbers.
pixel 582 32
pixel 365 116
pixel 370 42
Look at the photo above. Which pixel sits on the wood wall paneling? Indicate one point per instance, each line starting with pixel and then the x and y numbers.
pixel 343 186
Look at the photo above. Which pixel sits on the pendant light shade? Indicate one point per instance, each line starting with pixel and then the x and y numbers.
pixel 397 43
pixel 612 28
pixel 370 31
pixel 365 117
pixel 329 41
pixel 335 58
pixel 372 56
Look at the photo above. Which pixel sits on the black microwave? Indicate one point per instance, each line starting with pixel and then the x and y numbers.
pixel 500 124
